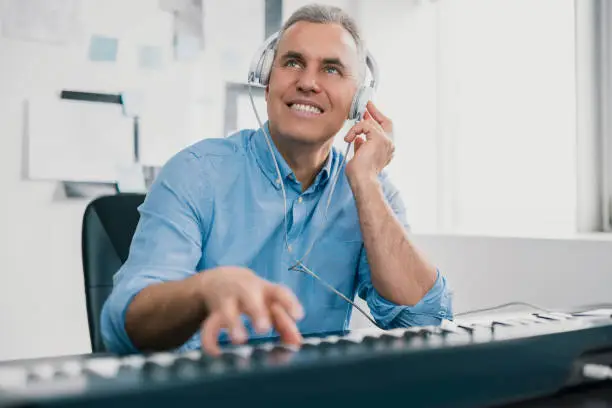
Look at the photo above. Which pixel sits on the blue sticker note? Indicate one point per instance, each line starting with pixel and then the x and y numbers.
pixel 186 47
pixel 103 48
pixel 150 57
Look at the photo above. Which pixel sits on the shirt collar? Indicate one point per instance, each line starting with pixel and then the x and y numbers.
pixel 264 159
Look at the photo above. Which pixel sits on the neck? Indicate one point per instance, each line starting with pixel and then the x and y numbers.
pixel 306 160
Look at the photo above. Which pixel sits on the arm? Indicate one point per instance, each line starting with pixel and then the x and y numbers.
pixel 395 278
pixel 156 303
pixel 434 306
pixel 399 272
pixel 160 299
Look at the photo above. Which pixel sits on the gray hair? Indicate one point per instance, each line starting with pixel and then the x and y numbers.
pixel 324 14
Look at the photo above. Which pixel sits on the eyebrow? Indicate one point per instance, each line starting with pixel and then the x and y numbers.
pixel 300 56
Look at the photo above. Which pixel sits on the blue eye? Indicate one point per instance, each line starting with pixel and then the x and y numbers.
pixel 292 64
pixel 332 70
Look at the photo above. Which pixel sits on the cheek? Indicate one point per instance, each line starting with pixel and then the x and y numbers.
pixel 343 103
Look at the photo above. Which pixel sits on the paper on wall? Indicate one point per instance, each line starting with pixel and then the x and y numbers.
pixel 50 21
pixel 77 141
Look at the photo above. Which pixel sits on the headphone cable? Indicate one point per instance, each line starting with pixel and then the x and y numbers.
pixel 299 265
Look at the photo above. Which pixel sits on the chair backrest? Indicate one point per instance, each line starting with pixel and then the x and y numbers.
pixel 109 223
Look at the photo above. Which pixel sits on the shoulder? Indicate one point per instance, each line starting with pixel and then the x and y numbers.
pixel 198 165
pixel 204 155
pixel 228 147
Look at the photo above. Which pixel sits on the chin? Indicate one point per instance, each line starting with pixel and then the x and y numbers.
pixel 307 138
pixel 304 134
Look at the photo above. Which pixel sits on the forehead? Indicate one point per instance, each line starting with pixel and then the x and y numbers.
pixel 319 41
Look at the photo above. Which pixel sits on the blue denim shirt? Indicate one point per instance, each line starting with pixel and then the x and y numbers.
pixel 219 202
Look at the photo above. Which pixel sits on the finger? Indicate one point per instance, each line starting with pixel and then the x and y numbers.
pixel 287 299
pixel 254 306
pixel 363 127
pixel 231 317
pixel 367 115
pixel 358 142
pixel 285 325
pixel 376 114
pixel 210 333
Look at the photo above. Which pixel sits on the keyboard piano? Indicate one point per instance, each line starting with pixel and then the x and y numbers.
pixel 459 364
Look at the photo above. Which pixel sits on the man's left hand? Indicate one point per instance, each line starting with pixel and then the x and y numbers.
pixel 373 145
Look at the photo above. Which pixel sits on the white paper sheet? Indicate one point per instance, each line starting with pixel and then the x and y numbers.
pixel 50 21
pixel 77 141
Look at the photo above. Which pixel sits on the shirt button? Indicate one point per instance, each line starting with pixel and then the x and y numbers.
pixel 289 248
pixel 278 181
pixel 300 199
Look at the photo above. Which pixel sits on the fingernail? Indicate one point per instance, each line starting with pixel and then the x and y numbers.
pixel 239 334
pixel 263 325
pixel 297 313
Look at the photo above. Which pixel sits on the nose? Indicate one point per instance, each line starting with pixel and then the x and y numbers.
pixel 307 82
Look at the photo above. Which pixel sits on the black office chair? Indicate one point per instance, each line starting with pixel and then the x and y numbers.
pixel 109 223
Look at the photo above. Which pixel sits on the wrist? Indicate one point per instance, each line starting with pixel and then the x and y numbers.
pixel 362 178
pixel 199 289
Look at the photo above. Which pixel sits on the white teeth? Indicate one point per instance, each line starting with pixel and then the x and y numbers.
pixel 305 108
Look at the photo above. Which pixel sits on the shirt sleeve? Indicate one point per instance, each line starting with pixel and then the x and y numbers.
pixel 435 306
pixel 167 243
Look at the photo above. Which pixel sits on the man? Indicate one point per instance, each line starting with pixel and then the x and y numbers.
pixel 209 252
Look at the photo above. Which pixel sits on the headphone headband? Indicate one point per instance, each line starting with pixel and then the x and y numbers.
pixel 255 68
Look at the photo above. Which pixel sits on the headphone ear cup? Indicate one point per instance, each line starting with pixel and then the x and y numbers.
pixel 265 67
pixel 360 100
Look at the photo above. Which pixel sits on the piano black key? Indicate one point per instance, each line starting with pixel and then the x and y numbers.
pixel 230 358
pixel 258 354
pixel 387 338
pixel 345 343
pixel 186 367
pixel 497 323
pixel 369 340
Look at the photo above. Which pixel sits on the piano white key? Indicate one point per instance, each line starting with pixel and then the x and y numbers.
pixel 312 340
pixel 595 312
pixel 549 316
pixel 451 326
pixel 529 318
pixel 355 337
pixel 561 315
pixel 193 354
pixel 104 366
pixel 516 321
pixel 242 351
pixel 43 371
pixel 71 368
pixel 135 361
pixel 13 377
pixel 164 359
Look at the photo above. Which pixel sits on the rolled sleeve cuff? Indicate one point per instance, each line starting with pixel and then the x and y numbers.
pixel 114 335
pixel 435 306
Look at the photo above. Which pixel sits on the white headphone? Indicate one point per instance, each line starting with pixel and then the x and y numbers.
pixel 261 66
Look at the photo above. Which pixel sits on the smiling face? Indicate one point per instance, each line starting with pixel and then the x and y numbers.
pixel 313 81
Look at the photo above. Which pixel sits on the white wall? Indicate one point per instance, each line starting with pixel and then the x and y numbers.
pixel 41 285
pixel 549 272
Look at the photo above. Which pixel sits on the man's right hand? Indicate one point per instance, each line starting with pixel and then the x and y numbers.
pixel 231 291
